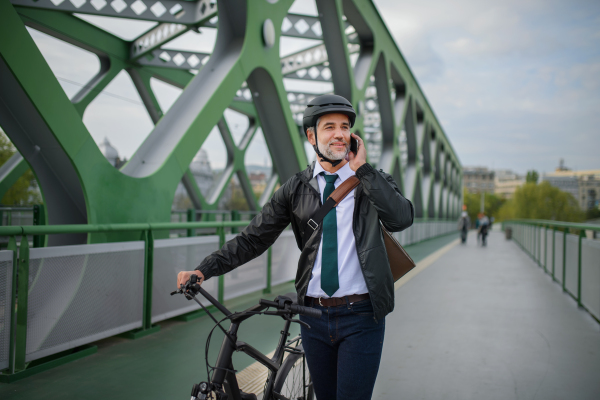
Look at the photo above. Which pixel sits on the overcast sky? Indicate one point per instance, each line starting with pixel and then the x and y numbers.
pixel 515 84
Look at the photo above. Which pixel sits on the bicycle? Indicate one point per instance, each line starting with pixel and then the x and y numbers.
pixel 288 377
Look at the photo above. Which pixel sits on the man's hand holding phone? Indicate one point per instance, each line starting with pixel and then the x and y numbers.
pixel 358 158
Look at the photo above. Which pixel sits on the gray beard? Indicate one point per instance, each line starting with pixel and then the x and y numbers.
pixel 327 152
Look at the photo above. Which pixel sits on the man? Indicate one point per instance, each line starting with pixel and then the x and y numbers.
pixel 343 269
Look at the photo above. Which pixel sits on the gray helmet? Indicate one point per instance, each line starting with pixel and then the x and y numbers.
pixel 326 104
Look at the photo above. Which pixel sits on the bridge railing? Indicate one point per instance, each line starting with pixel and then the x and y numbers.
pixel 568 252
pixel 69 296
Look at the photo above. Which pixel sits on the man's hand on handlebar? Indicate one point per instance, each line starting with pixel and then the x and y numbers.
pixel 184 276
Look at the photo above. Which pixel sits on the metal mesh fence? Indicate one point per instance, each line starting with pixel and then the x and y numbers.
pixel 284 258
pixel 247 278
pixel 17 218
pixel 558 256
pixel 572 264
pixel 563 253
pixel 536 243
pixel 6 271
pixel 80 294
pixel 172 256
pixel 590 275
pixel 548 256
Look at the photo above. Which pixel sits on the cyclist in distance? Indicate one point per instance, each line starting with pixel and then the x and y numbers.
pixel 343 269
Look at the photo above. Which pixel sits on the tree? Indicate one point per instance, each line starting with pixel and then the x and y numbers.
pixel 237 201
pixel 592 213
pixel 25 190
pixel 543 201
pixel 532 176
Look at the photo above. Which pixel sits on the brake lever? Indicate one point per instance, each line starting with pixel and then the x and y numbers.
pixel 300 322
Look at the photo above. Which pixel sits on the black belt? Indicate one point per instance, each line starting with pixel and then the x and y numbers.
pixel 336 301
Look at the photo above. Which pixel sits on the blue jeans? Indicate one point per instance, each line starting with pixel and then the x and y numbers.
pixel 343 350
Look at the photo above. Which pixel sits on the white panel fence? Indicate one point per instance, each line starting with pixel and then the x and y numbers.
pixel 573 260
pixel 80 294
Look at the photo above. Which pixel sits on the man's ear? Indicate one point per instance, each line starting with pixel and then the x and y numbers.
pixel 310 135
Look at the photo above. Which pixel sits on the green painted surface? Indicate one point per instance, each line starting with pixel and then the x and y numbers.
pixel 434 167
pixel 166 364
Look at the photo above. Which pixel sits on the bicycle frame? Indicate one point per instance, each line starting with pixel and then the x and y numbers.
pixel 224 377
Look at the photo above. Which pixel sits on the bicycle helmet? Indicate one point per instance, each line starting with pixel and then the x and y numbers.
pixel 326 104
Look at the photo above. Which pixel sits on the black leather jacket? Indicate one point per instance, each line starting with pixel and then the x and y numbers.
pixel 377 198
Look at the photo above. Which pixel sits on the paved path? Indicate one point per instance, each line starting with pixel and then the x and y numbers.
pixel 488 323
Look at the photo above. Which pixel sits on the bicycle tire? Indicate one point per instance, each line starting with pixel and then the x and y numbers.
pixel 289 381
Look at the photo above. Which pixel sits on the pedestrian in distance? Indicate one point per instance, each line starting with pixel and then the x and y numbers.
pixel 484 226
pixel 343 269
pixel 464 223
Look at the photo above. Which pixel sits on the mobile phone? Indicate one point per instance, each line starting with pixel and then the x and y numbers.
pixel 353 145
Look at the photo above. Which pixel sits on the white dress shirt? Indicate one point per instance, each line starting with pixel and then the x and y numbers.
pixel 350 276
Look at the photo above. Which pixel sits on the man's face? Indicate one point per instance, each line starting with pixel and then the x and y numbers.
pixel 333 134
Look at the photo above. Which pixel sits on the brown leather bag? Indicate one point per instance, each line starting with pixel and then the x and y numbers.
pixel 400 261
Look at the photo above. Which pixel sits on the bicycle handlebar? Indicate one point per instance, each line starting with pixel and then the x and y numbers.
pixel 214 301
pixel 295 308
pixel 309 312
pixel 284 303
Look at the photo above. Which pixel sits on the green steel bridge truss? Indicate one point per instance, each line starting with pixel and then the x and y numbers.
pixel 355 52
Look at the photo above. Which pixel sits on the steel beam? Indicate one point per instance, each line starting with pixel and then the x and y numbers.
pixel 353 49
pixel 173 11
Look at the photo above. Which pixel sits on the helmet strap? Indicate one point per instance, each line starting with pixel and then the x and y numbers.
pixel 321 156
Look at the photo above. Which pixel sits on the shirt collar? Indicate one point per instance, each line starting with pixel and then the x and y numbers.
pixel 343 173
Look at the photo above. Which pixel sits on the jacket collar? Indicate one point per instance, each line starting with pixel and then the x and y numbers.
pixel 307 178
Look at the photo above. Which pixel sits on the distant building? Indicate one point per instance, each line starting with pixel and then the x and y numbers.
pixel 204 177
pixel 258 180
pixel 583 185
pixel 506 183
pixel 202 171
pixel 111 154
pixel 478 180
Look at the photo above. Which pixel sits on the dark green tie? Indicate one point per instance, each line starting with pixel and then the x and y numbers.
pixel 329 256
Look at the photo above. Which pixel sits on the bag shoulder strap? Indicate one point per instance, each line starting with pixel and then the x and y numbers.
pixel 333 200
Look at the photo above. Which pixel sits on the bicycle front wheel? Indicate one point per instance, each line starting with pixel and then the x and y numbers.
pixel 293 379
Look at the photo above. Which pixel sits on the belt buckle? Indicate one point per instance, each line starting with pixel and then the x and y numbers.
pixel 314 228
pixel 321 304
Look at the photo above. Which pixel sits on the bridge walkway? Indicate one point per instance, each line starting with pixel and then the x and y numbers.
pixel 474 323
pixel 488 323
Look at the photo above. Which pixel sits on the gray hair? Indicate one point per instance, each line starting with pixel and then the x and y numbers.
pixel 311 129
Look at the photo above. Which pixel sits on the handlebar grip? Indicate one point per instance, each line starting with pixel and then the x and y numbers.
pixel 309 312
